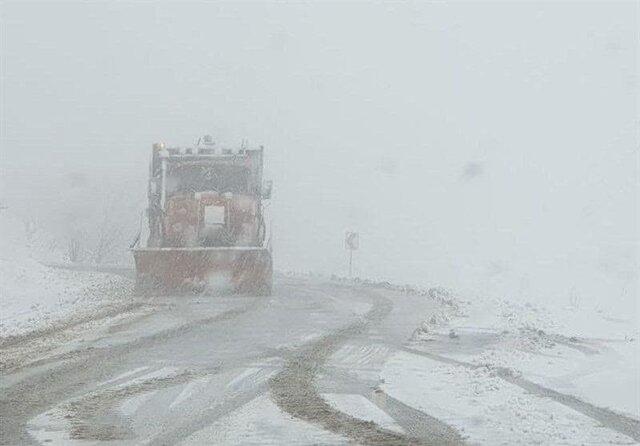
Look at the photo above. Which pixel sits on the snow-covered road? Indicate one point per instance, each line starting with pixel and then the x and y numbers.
pixel 319 362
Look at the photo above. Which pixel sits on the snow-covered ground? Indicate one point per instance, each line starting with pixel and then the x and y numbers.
pixel 486 409
pixel 497 370
pixel 586 352
pixel 34 296
pixel 455 366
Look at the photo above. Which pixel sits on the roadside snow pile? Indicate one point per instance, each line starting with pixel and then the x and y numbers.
pixel 577 350
pixel 486 409
pixel 33 296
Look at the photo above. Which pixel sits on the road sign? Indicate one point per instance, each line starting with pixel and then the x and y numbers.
pixel 351 241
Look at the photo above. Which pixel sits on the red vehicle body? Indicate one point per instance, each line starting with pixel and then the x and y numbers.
pixel 206 222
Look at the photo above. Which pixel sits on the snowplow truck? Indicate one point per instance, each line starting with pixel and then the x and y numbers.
pixel 206 226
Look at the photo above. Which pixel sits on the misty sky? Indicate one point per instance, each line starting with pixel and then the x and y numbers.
pixel 487 145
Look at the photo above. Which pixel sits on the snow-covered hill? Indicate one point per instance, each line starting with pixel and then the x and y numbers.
pixel 34 296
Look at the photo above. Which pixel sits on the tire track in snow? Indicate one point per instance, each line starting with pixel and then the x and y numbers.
pixel 417 423
pixel 84 412
pixel 146 341
pixel 608 418
pixel 35 393
pixel 293 390
pixel 73 322
pixel 207 416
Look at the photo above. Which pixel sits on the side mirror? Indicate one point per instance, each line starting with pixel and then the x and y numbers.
pixel 266 189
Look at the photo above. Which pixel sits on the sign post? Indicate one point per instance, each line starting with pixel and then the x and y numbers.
pixel 352 243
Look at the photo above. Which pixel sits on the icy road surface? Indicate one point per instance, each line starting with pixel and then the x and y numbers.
pixel 316 363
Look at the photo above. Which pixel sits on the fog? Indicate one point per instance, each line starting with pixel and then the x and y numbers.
pixel 487 147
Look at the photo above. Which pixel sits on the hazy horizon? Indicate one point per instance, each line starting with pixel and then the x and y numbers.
pixel 490 147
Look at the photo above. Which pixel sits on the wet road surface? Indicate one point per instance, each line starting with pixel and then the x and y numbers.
pixel 298 367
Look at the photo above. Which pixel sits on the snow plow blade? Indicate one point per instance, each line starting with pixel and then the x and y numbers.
pixel 217 270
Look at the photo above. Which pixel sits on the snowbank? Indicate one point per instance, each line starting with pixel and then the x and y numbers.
pixel 588 352
pixel 498 370
pixel 34 296
pixel 486 409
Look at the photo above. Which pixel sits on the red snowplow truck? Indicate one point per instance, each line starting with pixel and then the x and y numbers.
pixel 206 225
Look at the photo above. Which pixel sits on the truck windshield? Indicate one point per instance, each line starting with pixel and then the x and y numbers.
pixel 195 178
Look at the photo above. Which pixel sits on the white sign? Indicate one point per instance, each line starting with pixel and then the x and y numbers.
pixel 351 241
pixel 214 215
